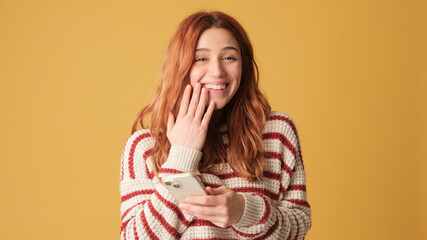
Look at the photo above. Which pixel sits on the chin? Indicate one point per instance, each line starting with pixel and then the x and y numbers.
pixel 219 105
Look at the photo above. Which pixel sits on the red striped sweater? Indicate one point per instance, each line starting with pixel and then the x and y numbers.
pixel 275 208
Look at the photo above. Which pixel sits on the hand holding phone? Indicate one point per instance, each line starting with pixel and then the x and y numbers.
pixel 183 185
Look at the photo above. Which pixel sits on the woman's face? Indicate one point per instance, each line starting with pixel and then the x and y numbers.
pixel 217 65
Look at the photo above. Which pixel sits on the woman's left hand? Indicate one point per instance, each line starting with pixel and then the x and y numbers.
pixel 223 207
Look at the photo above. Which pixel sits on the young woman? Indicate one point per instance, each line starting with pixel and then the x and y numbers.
pixel 208 117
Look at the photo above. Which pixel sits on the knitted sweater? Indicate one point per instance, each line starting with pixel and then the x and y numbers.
pixel 275 207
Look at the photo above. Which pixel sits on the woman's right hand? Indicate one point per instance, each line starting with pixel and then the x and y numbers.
pixel 191 125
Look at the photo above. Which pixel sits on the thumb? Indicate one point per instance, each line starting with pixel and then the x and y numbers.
pixel 217 191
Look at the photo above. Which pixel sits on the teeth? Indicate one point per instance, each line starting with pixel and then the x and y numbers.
pixel 216 87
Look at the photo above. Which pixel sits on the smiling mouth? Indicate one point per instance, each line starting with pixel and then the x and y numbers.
pixel 216 86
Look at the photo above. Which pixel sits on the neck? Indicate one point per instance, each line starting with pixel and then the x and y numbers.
pixel 217 116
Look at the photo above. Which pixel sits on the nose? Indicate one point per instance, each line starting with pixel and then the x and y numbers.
pixel 216 69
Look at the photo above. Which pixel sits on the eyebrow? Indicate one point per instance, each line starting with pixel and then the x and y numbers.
pixel 224 48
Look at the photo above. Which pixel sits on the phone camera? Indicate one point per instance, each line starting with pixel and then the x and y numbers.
pixel 176 186
pixel 168 183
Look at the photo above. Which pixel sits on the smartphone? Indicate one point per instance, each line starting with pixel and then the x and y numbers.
pixel 183 185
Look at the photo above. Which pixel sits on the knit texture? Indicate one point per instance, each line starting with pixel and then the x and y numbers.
pixel 275 208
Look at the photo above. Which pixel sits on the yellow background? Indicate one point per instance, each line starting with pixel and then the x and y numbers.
pixel 352 74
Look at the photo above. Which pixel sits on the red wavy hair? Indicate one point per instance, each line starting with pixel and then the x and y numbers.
pixel 245 115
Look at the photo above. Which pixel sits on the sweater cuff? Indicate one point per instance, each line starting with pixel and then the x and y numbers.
pixel 183 159
pixel 254 210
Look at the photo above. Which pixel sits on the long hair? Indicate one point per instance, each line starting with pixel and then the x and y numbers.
pixel 245 114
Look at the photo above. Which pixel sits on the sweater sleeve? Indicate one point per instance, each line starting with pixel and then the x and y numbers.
pixel 148 210
pixel 290 217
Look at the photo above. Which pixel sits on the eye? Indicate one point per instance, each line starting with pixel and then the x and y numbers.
pixel 229 58
pixel 200 59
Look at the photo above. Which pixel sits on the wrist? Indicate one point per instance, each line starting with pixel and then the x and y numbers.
pixel 241 205
pixel 183 159
pixel 254 209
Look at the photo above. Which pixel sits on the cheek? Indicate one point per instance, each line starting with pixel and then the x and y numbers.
pixel 236 73
pixel 196 74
